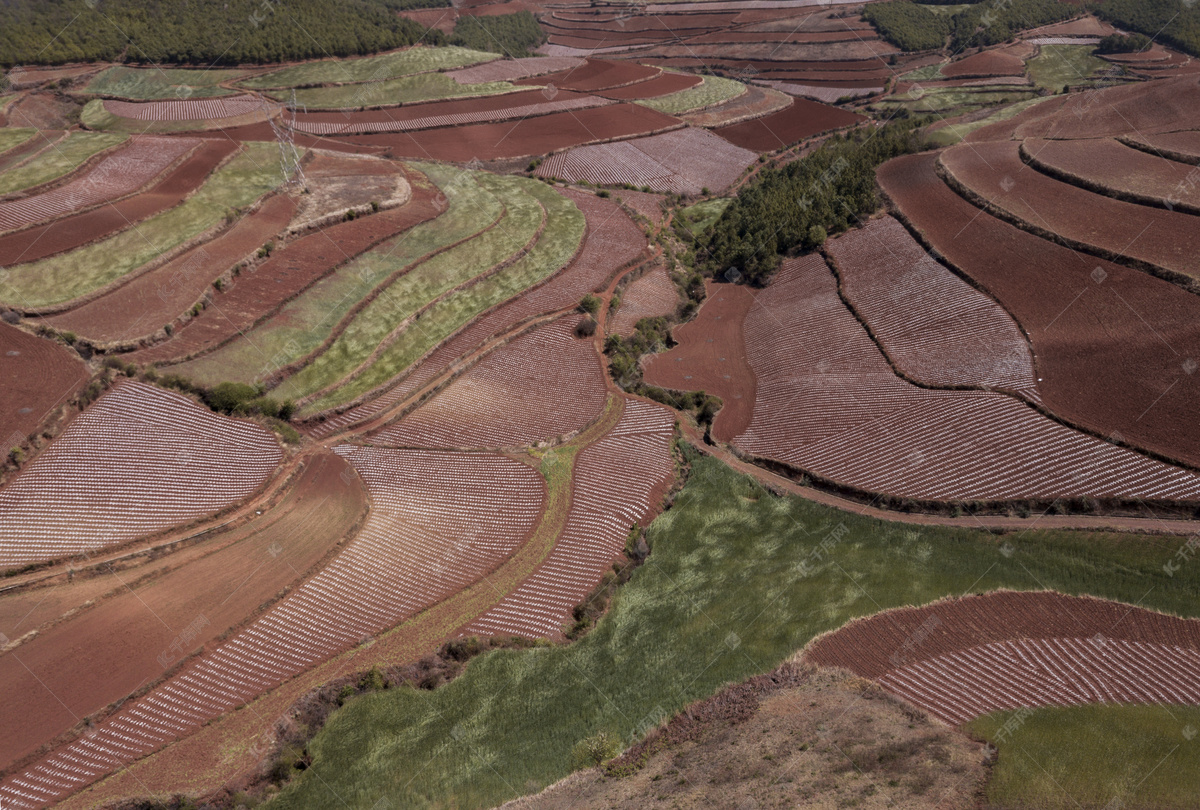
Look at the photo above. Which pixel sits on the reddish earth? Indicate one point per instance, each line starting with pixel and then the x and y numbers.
pixel 660 85
pixel 442 19
pixel 852 35
pixel 76 231
pixel 966 657
pixel 537 104
pixel 506 70
pixel 1181 146
pixel 1101 364
pixel 995 172
pixel 142 306
pixel 779 130
pixel 754 103
pixel 985 63
pixel 597 74
pixel 650 296
pixel 711 357
pixel 612 243
pixel 36 376
pixel 257 294
pixel 545 384
pixel 604 43
pixel 648 205
pixel 129 639
pixel 538 136
pixel 40 140
pixel 618 482
pixel 437 525
pixel 192 109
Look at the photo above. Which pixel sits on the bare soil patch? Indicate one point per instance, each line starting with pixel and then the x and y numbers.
pixel 36 376
pixel 778 130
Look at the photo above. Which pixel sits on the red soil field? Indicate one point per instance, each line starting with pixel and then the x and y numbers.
pixel 985 63
pixel 779 130
pixel 610 42
pixel 648 205
pixel 142 306
pixel 192 109
pixel 660 85
pixel 962 658
pixel 439 522
pixel 852 35
pixel 829 93
pixel 538 136
pixel 36 375
pixel 507 70
pixel 76 231
pixel 544 384
pixel 995 172
pixel 1102 365
pixel 1110 167
pixel 597 74
pixel 754 103
pixel 711 357
pixel 1179 146
pixel 289 271
pixel 127 640
pixel 137 461
pixel 618 482
pixel 442 19
pixel 651 295
pixel 936 328
pixel 611 243
pixel 133 165
pixel 828 403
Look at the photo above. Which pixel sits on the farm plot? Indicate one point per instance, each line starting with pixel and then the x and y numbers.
pixel 754 103
pixel 510 70
pixel 53 163
pixel 612 242
pixel 985 64
pixel 962 658
pixel 369 69
pixel 36 376
pixel 138 461
pixel 685 161
pixel 712 91
pixel 830 94
pixel 993 172
pixel 619 482
pixel 10 138
pixel 664 84
pixel 648 205
pixel 1150 108
pixel 828 403
pixel 935 327
pixel 651 295
pixel 439 522
pixel 779 130
pixel 200 109
pixel 1183 147
pixel 595 75
pixel 123 172
pixel 404 90
pixel 545 384
pixel 152 84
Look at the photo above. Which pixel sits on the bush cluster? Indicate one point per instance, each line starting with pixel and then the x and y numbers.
pixel 1168 21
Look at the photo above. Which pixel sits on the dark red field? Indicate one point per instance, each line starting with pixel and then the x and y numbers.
pixel 803 119
pixel 597 74
pixel 36 376
pixel 985 63
pixel 660 85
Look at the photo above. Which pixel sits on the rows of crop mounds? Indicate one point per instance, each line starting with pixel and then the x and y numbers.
pixel 967 657
pixel 125 171
pixel 238 183
pixel 650 296
pixel 618 483
pixel 136 462
pixel 507 70
pixel 198 109
pixel 439 522
pixel 544 384
pixel 456 119
pixel 613 241
pixel 936 328
pixel 685 161
pixel 1110 167
pixel 829 403
pixel 993 171
pixel 54 159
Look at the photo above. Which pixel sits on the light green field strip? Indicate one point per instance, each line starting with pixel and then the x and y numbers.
pixel 57 279
pixel 563 234
pixel 55 161
pixel 953 133
pixel 1057 66
pixel 372 68
pixel 158 83
pixel 5 101
pixel 939 100
pixel 713 90
pixel 405 90
pixel 305 323
pixel 417 288
pixel 14 136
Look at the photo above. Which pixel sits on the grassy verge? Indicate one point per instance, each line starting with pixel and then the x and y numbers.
pixel 1060 65
pixel 62 158
pixel 159 83
pixel 370 69
pixel 1092 757
pixel 564 232
pixel 305 323
pixel 696 219
pixel 953 133
pixel 737 581
pixel 404 90
pixel 237 184
pixel 941 100
pixel 424 283
pixel 14 136
pixel 712 91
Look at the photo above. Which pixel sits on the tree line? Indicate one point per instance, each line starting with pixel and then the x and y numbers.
pixel 913 27
pixel 1171 22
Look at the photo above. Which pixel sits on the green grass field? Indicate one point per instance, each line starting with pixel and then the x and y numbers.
pixel 929 73
pixel 738 580
pixel 562 236
pixel 695 219
pixel 1095 757
pixel 953 133
pixel 14 136
pixel 405 90
pixel 306 322
pixel 1060 65
pixel 710 92
pixel 61 278
pixel 57 160
pixel 946 99
pixel 369 69
pixel 159 83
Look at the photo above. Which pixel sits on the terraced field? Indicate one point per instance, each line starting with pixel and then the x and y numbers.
pixel 150 84
pixel 52 163
pixel 368 69
pixel 713 90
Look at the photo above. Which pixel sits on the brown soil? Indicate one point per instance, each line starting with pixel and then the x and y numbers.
pixel 985 63
pixel 36 376
pixel 803 119
pixel 754 103
pixel 595 74
pixel 410 112
pixel 711 357
pixel 442 19
pixel 658 86
pixel 43 111
pixel 651 296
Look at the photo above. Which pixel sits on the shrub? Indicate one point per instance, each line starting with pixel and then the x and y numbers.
pixel 16 455
pixel 230 396
pixel 287 409
pixel 595 750
pixel 590 304
pixel 585 328
pixel 1127 43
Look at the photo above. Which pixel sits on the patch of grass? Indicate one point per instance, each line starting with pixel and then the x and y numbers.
pixel 943 99
pixel 405 62
pixel 14 136
pixel 57 160
pixel 1060 65
pixel 1133 757
pixel 561 238
pixel 306 322
pixel 405 90
pixel 238 183
pixel 161 83
pixel 710 92
pixel 737 581
pixel 929 73
pixel 953 133
pixel 696 219
pixel 95 117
